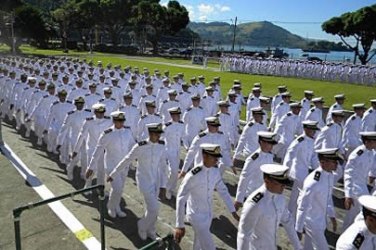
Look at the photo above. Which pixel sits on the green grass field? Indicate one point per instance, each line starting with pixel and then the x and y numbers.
pixel 354 93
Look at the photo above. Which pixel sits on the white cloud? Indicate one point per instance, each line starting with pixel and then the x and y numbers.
pixel 203 11
pixel 206 9
pixel 164 3
pixel 191 11
pixel 224 8
pixel 203 18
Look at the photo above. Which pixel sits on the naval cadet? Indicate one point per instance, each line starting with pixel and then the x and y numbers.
pixel 151 156
pixel 195 198
pixel 362 233
pixel 360 171
pixel 113 144
pixel 264 210
pixel 315 202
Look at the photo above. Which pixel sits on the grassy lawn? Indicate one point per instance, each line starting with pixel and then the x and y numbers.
pixel 354 93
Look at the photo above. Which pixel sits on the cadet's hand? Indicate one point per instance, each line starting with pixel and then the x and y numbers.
pixel 162 194
pixel 237 205
pixel 74 155
pixel 235 216
pixel 89 173
pixel 109 179
pixel 182 174
pixel 348 203
pixel 179 234
pixel 234 170
pixel 300 235
pixel 334 223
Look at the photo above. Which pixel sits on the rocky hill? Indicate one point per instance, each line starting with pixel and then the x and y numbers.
pixel 252 34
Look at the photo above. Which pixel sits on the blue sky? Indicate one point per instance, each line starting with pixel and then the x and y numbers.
pixel 301 17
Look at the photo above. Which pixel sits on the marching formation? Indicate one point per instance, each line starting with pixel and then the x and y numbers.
pixel 319 70
pixel 106 120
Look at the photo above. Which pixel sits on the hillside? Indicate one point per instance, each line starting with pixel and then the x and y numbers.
pixel 252 34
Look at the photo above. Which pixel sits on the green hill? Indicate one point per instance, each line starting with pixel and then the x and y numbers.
pixel 252 34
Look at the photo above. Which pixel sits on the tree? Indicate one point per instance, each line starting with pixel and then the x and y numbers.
pixel 153 20
pixel 114 16
pixel 29 23
pixel 359 25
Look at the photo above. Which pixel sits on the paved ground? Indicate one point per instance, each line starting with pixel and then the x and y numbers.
pixel 40 228
pixel 120 233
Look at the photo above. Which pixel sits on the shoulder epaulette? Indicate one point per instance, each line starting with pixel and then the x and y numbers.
pixel 257 197
pixel 252 98
pixel 370 111
pixel 181 122
pixel 200 107
pixel 143 96
pixel 281 103
pixel 202 134
pixel 101 100
pixel 55 102
pixel 335 106
pixel 180 92
pixel 317 176
pixel 87 110
pixel 89 118
pixel 217 115
pixel 304 100
pixel 26 88
pixel 126 127
pixel 87 94
pixel 161 142
pixel 358 241
pixel 168 124
pixel 189 109
pixel 250 124
pixel 300 138
pixel 106 117
pixel 312 110
pixel 289 114
pixel 35 91
pixel 113 99
pixel 74 88
pixel 353 118
pixel 45 96
pixel 108 131
pixel 330 124
pixel 360 152
pixel 154 95
pixel 176 100
pixel 134 106
pixel 98 94
pixel 70 112
pixel 156 114
pixel 165 101
pixel 141 143
pixel 204 97
pixel 142 117
pixel 255 156
pixel 220 132
pixel 196 170
pixel 69 101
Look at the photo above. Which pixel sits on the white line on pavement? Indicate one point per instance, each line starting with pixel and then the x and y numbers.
pixel 57 207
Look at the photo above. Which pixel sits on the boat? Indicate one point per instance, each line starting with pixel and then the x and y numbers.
pixel 311 50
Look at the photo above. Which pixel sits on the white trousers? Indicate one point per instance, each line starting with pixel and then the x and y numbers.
pixel 202 236
pixel 314 239
pixel 148 220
